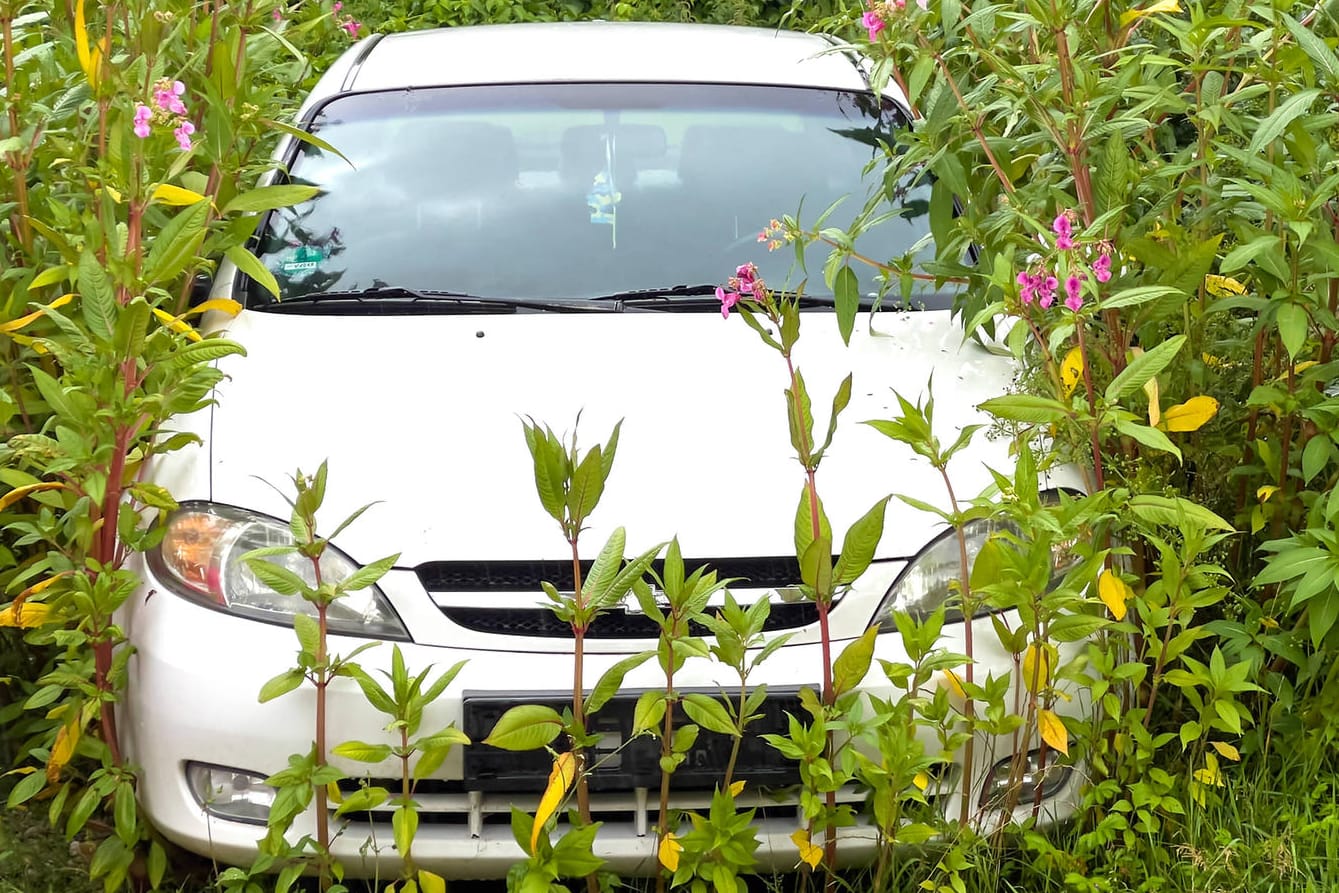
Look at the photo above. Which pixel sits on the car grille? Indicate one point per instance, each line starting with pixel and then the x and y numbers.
pixel 481 578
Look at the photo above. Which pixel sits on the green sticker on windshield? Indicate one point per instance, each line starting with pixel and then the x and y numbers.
pixel 303 258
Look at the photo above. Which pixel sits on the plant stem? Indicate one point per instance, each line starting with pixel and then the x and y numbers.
pixel 578 694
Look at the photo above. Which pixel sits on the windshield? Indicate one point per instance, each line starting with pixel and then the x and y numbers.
pixel 569 191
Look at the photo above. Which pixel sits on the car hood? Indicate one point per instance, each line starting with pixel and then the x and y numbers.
pixel 423 415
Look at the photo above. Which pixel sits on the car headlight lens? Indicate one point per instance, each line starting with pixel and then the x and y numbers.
pixel 200 558
pixel 934 575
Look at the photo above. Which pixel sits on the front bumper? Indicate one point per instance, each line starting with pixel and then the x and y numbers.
pixel 192 698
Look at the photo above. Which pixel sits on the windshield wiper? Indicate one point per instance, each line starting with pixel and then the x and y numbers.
pixel 688 297
pixel 399 299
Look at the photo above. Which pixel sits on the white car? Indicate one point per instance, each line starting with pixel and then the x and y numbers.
pixel 529 224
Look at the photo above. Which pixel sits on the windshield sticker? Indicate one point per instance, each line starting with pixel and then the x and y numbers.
pixel 303 258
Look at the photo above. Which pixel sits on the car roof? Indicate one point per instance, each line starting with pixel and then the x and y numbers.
pixel 598 52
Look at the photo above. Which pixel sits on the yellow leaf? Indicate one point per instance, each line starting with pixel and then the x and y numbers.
pixel 81 44
pixel 1053 731
pixel 175 324
pixel 921 781
pixel 63 750
pixel 1223 286
pixel 736 788
pixel 430 883
pixel 15 324
pixel 954 684
pixel 1226 751
pixel 333 793
pixel 1154 400
pixel 560 780
pixel 1114 593
pixel 1135 15
pixel 25 615
pixel 1265 492
pixel 809 854
pixel 49 276
pixel 168 194
pixel 1191 415
pixel 18 493
pixel 1209 775
pixel 1037 662
pixel 1211 360
pixel 1071 370
pixel 223 305
pixel 670 848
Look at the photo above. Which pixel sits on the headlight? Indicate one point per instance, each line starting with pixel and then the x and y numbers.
pixel 934 574
pixel 200 559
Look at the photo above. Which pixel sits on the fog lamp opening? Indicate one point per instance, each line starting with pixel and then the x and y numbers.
pixel 232 794
pixel 998 786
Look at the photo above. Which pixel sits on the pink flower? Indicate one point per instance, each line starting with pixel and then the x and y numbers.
pixel 1027 291
pixel 746 279
pixel 277 15
pixel 1064 242
pixel 874 23
pixel 1102 268
pixel 1046 291
pixel 183 135
pixel 1062 225
pixel 728 299
pixel 143 114
pixel 1073 296
pixel 338 6
pixel 351 26
pixel 167 97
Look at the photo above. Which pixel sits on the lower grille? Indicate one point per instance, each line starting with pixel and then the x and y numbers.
pixel 540 622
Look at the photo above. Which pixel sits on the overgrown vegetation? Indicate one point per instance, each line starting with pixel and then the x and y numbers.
pixel 1148 224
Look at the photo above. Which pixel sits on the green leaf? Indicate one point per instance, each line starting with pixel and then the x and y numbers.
pixel 1290 110
pixel 586 487
pixel 268 198
pixel 368 574
pixel 308 632
pixel 281 685
pixel 175 245
pixel 362 751
pixel 280 579
pixel 573 854
pixel 362 800
pixel 708 713
pixel 648 712
pixel 862 539
pixel 548 458
pixel 612 680
pixel 249 264
pixel 1027 408
pixel 1293 322
pixel 99 299
pixel 816 566
pixel 1113 172
pixel 404 827
pixel 1322 56
pixel 853 663
pixel 206 351
pixel 1315 456
pixel 1149 437
pixel 305 137
pixel 30 786
pixel 839 403
pixel 846 292
pixel 1173 511
pixel 1133 297
pixel 1143 368
pixel 804 521
pixel 525 727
